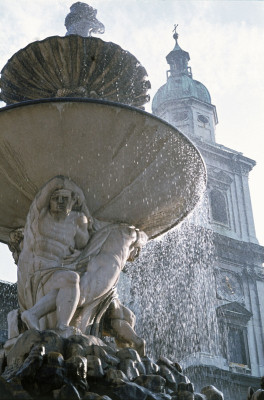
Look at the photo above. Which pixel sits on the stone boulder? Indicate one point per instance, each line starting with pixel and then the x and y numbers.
pixel 212 393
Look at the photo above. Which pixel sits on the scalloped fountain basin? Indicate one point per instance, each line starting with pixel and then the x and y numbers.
pixel 131 166
pixel 74 66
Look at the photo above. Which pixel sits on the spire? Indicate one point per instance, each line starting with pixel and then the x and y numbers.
pixel 175 37
pixel 178 58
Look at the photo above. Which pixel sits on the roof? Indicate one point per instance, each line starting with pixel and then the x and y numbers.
pixel 178 87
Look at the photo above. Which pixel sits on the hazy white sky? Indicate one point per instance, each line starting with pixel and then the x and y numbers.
pixel 225 41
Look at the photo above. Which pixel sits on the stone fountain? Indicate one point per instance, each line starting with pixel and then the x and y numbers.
pixel 87 178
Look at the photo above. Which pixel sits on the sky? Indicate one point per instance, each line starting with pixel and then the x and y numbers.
pixel 225 42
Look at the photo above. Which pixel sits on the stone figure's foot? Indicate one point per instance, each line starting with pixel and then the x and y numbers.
pixel 30 320
pixel 66 331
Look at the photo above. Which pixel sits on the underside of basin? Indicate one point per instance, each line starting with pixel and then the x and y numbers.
pixel 131 166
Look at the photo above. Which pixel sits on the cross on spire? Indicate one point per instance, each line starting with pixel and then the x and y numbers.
pixel 175 34
pixel 175 27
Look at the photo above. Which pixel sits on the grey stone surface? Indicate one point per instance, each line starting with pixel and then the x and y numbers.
pixel 23 345
pixel 13 390
pixel 154 383
pixel 141 368
pixel 68 391
pixel 77 367
pixel 151 367
pixel 116 376
pixel 131 391
pixel 94 367
pixel 129 368
pixel 166 373
pixel 107 359
pixel 128 353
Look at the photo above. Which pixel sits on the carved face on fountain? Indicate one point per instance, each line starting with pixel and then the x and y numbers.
pixel 61 202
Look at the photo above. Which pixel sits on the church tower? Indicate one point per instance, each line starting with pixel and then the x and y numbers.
pixel 239 275
pixel 183 101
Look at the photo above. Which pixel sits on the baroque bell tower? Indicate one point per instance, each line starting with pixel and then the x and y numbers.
pixel 183 101
pixel 238 271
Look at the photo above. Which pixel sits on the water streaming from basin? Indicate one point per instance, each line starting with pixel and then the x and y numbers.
pixel 173 290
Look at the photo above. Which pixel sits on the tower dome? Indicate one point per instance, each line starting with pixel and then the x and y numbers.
pixel 179 88
pixel 180 83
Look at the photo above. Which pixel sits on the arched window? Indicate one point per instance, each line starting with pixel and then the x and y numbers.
pixel 218 207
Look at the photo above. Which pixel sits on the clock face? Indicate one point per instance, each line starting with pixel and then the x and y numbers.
pixel 228 287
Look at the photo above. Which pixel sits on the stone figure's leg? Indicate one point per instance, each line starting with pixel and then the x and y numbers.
pixel 122 322
pixel 61 294
pixel 101 275
pixel 68 283
pixel 43 307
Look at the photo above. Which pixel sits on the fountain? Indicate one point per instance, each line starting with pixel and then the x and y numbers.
pixel 86 177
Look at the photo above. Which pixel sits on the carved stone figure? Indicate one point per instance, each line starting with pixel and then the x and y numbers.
pixel 82 20
pixel 70 264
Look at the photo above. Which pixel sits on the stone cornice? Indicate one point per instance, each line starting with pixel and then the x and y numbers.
pixel 236 161
pixel 235 251
pixel 186 101
pixel 221 375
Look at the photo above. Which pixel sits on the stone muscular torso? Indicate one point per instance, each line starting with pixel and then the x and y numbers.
pixel 56 238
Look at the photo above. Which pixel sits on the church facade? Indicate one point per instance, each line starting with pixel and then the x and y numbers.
pixel 238 361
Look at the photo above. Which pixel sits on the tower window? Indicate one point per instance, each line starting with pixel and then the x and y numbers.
pixel 181 116
pixel 203 119
pixel 236 346
pixel 218 207
pixel 233 319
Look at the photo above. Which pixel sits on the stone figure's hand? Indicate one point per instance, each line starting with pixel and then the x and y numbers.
pixel 142 239
pixel 133 254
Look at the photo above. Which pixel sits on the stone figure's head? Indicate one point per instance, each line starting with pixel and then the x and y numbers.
pixel 61 202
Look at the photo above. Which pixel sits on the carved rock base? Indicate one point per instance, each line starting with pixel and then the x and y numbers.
pixel 45 365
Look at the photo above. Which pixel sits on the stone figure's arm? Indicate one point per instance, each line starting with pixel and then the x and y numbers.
pixel 43 197
pixel 97 224
pixel 82 235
